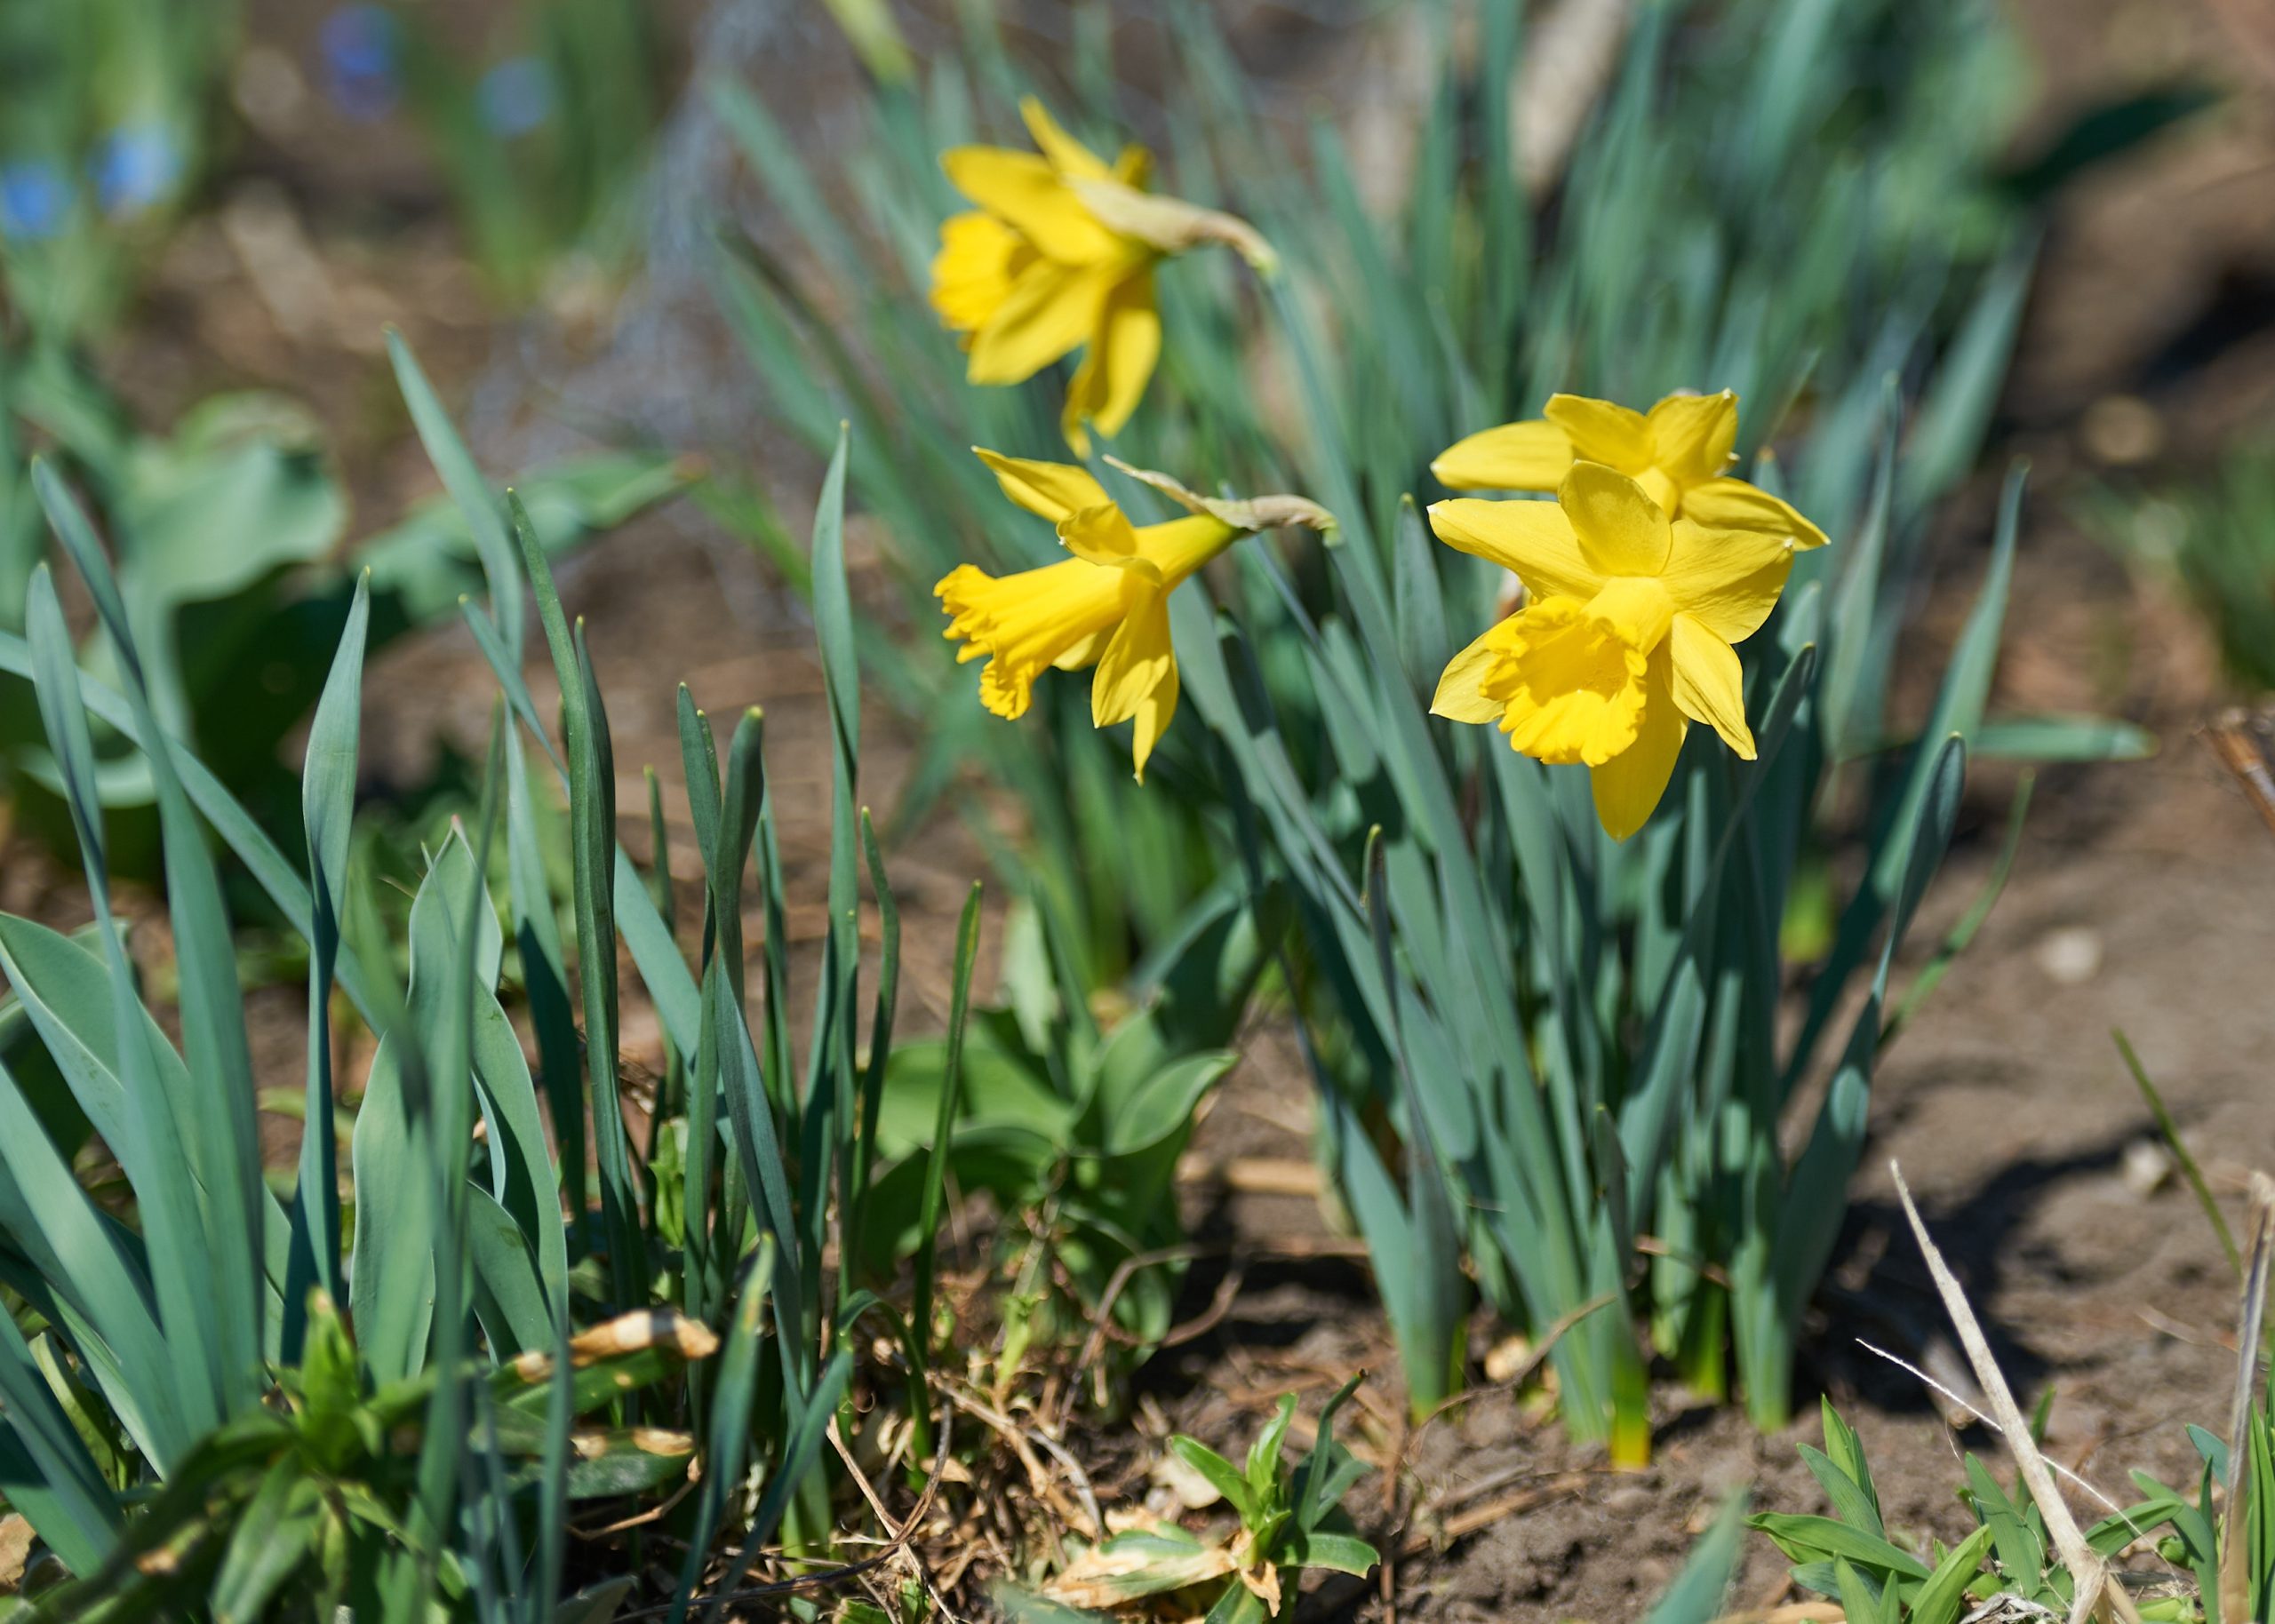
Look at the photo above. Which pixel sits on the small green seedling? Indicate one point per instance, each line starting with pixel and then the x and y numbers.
pixel 1851 1557
pixel 1289 1521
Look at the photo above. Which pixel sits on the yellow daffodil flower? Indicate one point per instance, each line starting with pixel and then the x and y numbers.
pixel 1679 453
pixel 1627 637
pixel 1060 256
pixel 1034 273
pixel 1108 605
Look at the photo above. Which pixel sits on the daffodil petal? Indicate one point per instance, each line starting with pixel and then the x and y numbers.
pixel 1154 712
pixel 1084 653
pixel 1733 504
pixel 1104 536
pixel 1112 379
pixel 1133 166
pixel 1532 540
pixel 1529 455
pixel 1618 436
pixel 1692 435
pixel 1728 579
pixel 1135 659
pixel 1628 788
pixel 1622 530
pixel 1048 490
pixel 1461 690
pixel 1026 193
pixel 1709 684
pixel 1066 154
pixel 1051 309
pixel 1137 677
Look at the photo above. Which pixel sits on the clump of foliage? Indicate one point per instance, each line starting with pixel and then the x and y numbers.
pixel 2222 1526
pixel 1530 1043
pixel 390 1393
pixel 1287 1521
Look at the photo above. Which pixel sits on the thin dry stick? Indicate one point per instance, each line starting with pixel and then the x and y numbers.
pixel 899 1534
pixel 1038 1479
pixel 851 1570
pixel 1469 1522
pixel 1926 1379
pixel 2097 1590
pixel 2253 1318
pixel 2235 1582
pixel 651 1514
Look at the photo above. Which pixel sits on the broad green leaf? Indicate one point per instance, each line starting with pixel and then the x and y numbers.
pixel 1220 1474
pixel 1944 1596
pixel 1345 1553
pixel 1808 1538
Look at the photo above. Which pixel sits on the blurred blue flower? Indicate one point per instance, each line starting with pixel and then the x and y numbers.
pixel 359 47
pixel 35 199
pixel 135 167
pixel 516 96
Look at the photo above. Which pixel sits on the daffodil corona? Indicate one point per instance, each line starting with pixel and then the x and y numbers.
pixel 1680 454
pixel 1627 637
pixel 1107 606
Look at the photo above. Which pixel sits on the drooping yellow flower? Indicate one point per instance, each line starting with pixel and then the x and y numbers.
pixel 1060 256
pixel 1679 452
pixel 1035 273
pixel 1108 606
pixel 1627 637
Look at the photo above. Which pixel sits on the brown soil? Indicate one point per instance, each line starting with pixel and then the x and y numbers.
pixel 2144 897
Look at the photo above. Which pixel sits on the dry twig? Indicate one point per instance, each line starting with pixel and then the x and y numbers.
pixel 2098 1591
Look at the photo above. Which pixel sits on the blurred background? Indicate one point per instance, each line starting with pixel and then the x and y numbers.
pixel 211 211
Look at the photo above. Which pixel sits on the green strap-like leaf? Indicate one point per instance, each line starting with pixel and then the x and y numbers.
pixel 45 1468
pixel 733 1397
pixel 217 1121
pixel 462 478
pixel 328 810
pixel 592 817
pixel 154 1151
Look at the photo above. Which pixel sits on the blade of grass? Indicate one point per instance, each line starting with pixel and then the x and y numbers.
pixel 2189 1170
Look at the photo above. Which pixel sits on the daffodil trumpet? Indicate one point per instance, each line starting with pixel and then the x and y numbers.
pixel 1628 636
pixel 1058 255
pixel 1679 452
pixel 1105 606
